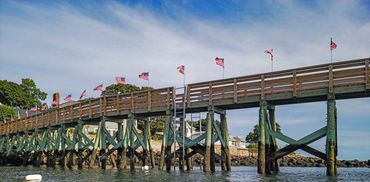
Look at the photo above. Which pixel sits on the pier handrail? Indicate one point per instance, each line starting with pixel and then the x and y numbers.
pixel 294 81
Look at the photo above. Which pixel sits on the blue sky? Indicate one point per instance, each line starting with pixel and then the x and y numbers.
pixel 69 46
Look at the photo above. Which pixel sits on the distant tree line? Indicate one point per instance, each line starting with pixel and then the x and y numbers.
pixel 23 96
pixel 252 137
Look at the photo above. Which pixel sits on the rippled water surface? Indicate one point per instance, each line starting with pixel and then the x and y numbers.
pixel 237 174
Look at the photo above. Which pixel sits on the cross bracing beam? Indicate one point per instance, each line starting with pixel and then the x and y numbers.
pixel 301 143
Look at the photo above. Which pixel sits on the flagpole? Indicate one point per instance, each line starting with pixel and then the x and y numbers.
pixel 223 72
pixel 331 51
pixel 272 64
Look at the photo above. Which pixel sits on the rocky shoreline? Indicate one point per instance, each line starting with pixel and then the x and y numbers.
pixel 292 160
pixel 287 161
pixel 298 161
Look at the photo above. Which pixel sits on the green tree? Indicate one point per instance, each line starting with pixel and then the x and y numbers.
pixel 252 136
pixel 6 113
pixel 24 95
pixel 12 94
pixel 123 88
pixel 36 94
pixel 156 125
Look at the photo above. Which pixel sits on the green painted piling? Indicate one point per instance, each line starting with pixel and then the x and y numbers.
pixel 165 139
pixel 275 166
pixel 261 139
pixel 331 137
pixel 207 156
pixel 225 135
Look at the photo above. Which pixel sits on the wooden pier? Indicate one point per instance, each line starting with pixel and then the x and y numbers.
pixel 58 132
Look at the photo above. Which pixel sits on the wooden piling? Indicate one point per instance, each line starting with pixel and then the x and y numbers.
pixel 130 133
pixel 165 139
pixel 331 137
pixel 207 156
pixel 274 166
pixel 151 155
pixel 225 149
pixel 261 139
pixel 119 138
pixel 79 144
pixel 125 144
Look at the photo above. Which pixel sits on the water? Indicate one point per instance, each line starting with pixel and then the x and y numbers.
pixel 237 174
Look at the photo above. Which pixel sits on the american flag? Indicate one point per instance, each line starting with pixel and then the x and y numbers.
pixel 83 94
pixel 55 103
pixel 120 80
pixel 99 87
pixel 34 109
pixel 220 61
pixel 270 52
pixel 181 69
pixel 68 98
pixel 144 75
pixel 333 45
pixel 44 107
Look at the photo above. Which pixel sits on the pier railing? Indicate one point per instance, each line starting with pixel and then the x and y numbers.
pixel 294 81
pixel 144 101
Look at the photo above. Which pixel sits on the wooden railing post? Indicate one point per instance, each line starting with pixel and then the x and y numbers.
pixel 168 98
pixel 100 107
pixel 294 83
pixel 117 103
pixel 48 117
pixel 90 109
pixel 105 105
pixel 80 110
pixel 57 113
pixel 262 87
pixel 210 93
pixel 149 101
pixel 132 103
pixel 71 113
pixel 64 115
pixel 235 91
pixel 331 80
pixel 188 103
pixel 367 74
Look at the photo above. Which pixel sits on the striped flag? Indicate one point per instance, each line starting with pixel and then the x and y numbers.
pixel 83 94
pixel 220 61
pixel 120 80
pixel 68 98
pixel 44 107
pixel 99 87
pixel 270 52
pixel 181 69
pixel 333 45
pixel 34 109
pixel 144 75
pixel 55 103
